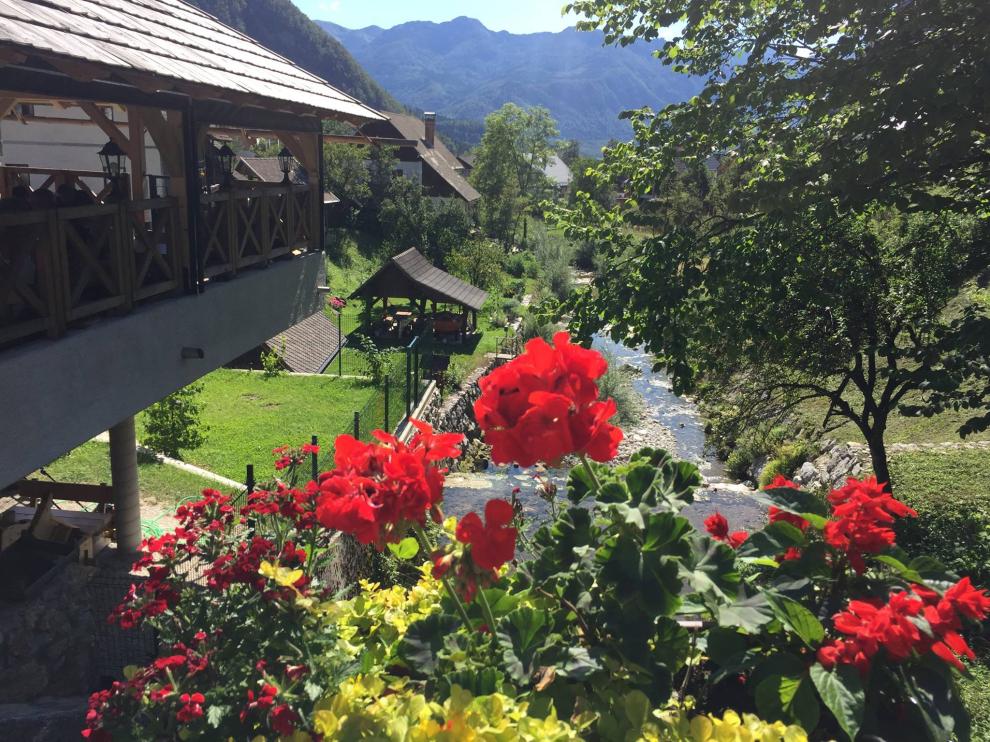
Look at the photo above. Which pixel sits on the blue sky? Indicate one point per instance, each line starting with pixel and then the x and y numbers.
pixel 517 16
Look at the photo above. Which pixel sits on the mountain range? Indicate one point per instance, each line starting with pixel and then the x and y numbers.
pixel 463 70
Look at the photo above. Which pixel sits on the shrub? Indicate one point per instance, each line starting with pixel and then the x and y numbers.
pixel 272 365
pixel 377 361
pixel 788 458
pixel 617 384
pixel 515 264
pixel 173 424
pixel 739 462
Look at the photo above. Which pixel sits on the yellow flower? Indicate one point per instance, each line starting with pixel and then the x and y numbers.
pixel 282 575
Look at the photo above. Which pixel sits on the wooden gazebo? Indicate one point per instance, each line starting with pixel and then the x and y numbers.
pixel 410 276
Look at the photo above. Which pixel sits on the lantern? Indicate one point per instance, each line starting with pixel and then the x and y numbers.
pixel 112 159
pixel 226 157
pixel 285 161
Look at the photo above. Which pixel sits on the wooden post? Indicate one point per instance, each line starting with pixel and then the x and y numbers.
pixel 135 134
pixel 126 490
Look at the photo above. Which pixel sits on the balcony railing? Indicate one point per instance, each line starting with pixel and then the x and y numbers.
pixel 250 225
pixel 62 265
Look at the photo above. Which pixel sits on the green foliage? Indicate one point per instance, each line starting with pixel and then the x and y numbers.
pixel 479 262
pixel 377 361
pixel 173 424
pixel 789 272
pixel 787 460
pixel 272 365
pixel 829 79
pixel 346 172
pixel 509 165
pixel 617 384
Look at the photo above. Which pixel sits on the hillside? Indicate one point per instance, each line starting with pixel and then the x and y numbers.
pixel 283 28
pixel 463 70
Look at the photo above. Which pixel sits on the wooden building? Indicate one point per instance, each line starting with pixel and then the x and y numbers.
pixel 129 271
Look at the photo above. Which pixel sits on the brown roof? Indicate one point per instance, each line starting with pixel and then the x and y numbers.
pixel 168 42
pixel 268 169
pixel 310 345
pixel 440 159
pixel 410 275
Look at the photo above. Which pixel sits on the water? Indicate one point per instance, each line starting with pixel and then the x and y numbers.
pixel 470 491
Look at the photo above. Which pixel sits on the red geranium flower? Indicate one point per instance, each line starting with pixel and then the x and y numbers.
pixel 192 707
pixel 544 405
pixel 718 528
pixel 378 490
pixel 283 720
pixel 863 513
pixel 494 542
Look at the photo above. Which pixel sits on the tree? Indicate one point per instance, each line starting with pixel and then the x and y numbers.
pixel 847 100
pixel 450 227
pixel 569 150
pixel 173 424
pixel 587 181
pixel 508 171
pixel 405 216
pixel 478 262
pixel 816 265
pixel 346 172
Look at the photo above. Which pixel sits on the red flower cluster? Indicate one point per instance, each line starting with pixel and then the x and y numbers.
pixel 863 513
pixel 242 567
pixel 775 514
pixel 491 544
pixel 894 626
pixel 717 526
pixel 544 405
pixel 286 456
pixel 295 505
pixel 192 707
pixel 378 490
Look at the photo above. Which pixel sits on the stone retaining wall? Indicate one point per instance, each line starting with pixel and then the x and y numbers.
pixel 455 414
pixel 841 460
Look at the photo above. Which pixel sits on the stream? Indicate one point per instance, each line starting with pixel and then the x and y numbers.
pixel 680 430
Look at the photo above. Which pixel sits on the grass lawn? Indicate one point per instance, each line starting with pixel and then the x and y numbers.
pixel 941 428
pixel 90 464
pixel 246 416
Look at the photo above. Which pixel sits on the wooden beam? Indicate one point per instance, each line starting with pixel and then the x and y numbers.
pixel 77 69
pixel 9 56
pixel 135 128
pixel 6 105
pixel 35 488
pixel 109 127
pixel 360 139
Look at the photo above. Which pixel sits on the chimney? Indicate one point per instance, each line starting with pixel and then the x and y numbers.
pixel 430 120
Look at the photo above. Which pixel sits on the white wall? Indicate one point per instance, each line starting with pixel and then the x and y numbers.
pixel 65 146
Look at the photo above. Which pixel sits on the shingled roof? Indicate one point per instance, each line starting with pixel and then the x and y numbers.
pixel 310 345
pixel 409 275
pixel 438 158
pixel 165 45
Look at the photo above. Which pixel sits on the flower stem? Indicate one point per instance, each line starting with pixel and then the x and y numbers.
pixel 591 472
pixel 487 610
pixel 424 544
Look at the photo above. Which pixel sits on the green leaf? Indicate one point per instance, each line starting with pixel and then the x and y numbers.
pixel 798 619
pixel 520 635
pixel 710 569
pixel 842 692
pixel 724 645
pixel 775 539
pixel 900 568
pixel 788 698
pixel 749 615
pixel 423 641
pixel 216 714
pixel 406 549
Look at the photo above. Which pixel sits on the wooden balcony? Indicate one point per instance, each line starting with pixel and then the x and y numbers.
pixel 62 266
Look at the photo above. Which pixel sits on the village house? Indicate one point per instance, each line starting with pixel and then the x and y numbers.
pixel 422 155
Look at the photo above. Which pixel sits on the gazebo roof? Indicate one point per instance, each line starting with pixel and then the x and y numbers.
pixel 167 45
pixel 409 275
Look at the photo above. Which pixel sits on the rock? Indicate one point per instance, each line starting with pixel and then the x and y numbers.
pixel 807 473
